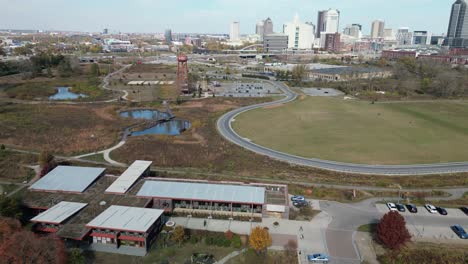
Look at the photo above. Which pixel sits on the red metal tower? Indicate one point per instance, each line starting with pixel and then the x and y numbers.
pixel 182 74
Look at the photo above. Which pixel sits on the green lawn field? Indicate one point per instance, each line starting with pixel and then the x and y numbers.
pixel 361 132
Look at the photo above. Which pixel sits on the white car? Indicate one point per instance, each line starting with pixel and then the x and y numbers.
pixel 432 209
pixel 392 207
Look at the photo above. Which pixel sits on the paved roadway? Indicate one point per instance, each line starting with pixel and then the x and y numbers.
pixel 224 126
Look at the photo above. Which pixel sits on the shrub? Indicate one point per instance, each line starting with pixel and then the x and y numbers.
pixel 229 235
pixel 236 242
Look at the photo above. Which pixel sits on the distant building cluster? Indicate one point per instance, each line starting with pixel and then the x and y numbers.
pixel 325 35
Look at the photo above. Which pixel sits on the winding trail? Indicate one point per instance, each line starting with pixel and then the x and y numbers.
pixel 224 126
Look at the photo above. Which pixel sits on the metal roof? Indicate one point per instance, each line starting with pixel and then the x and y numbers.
pixel 124 218
pixel 203 192
pixel 59 212
pixel 129 177
pixel 68 179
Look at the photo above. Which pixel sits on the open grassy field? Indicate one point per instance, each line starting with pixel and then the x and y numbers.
pixel 361 132
pixel 202 153
pixel 62 129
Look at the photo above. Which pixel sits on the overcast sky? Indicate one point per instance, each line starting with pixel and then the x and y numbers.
pixel 214 16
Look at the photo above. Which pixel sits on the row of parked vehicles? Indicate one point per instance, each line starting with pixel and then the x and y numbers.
pixel 458 229
pixel 413 209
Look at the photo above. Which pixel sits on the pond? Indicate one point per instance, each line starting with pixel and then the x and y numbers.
pixel 63 93
pixel 167 126
pixel 145 114
pixel 172 128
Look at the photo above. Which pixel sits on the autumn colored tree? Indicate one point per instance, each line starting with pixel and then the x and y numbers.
pixel 27 247
pixel 178 235
pixel 392 232
pixel 259 239
pixel 47 162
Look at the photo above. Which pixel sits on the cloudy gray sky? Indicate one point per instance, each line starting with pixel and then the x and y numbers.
pixel 214 16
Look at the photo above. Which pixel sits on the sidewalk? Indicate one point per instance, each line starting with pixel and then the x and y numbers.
pixel 309 235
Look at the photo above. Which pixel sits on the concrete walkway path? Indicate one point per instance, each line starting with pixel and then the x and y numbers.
pixel 106 154
pixel 230 256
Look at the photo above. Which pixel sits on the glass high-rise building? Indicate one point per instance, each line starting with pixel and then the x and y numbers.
pixel 168 36
pixel 457 34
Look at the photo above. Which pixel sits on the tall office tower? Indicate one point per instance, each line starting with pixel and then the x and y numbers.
pixel 105 31
pixel 268 26
pixel 404 37
pixel 168 35
pixel 235 31
pixel 328 22
pixel 377 29
pixel 332 21
pixel 320 23
pixel 300 35
pixel 259 28
pixel 457 33
pixel 353 30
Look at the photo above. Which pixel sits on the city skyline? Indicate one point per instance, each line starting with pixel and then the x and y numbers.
pixel 215 16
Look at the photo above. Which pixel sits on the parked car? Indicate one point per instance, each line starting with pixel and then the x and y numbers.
pixel 296 198
pixel 318 258
pixel 441 211
pixel 411 208
pixel 400 207
pixel 464 209
pixel 300 203
pixel 461 233
pixel 432 209
pixel 392 207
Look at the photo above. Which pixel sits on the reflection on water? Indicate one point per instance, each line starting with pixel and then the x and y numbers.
pixel 171 128
pixel 63 93
pixel 145 114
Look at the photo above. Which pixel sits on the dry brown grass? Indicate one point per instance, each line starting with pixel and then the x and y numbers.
pixel 62 129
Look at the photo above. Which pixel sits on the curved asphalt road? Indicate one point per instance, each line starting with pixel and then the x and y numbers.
pixel 225 129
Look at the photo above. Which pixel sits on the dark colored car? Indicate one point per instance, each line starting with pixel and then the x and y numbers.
pixel 300 203
pixel 459 231
pixel 464 209
pixel 441 210
pixel 411 208
pixel 400 207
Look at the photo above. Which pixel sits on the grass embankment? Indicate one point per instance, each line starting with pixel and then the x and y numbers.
pixel 202 153
pixel 361 132
pixel 271 257
pixel 62 129
pixel 416 253
pixel 13 167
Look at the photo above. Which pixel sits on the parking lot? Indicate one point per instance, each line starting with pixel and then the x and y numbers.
pixel 244 89
pixel 426 226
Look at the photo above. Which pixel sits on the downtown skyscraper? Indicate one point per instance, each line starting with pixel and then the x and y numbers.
pixel 457 33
